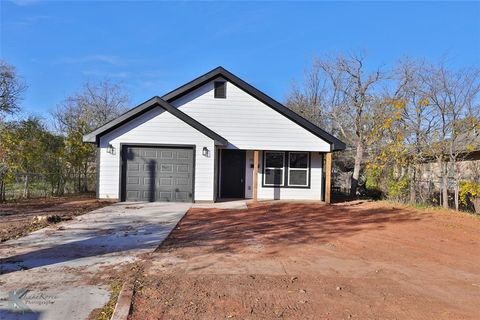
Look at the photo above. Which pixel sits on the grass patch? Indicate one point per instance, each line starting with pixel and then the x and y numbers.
pixel 126 273
pixel 427 207
pixel 106 312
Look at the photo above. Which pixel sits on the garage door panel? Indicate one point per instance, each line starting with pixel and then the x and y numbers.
pixel 133 180
pixel 158 174
pixel 182 181
pixel 181 195
pixel 151 165
pixel 182 155
pixel 134 167
pixel 166 167
pixel 165 196
pixel 183 168
pixel 147 181
pixel 166 182
pixel 166 155
pixel 133 195
pixel 150 154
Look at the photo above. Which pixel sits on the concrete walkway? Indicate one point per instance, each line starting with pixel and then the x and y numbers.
pixel 57 272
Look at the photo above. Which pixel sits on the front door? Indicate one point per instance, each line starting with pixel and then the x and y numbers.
pixel 232 174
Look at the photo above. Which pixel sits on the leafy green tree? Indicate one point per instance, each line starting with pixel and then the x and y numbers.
pixel 28 148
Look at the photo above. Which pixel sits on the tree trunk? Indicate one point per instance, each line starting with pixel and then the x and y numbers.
pixel 79 180
pixel 413 194
pixel 457 191
pixel 356 168
pixel 25 187
pixel 456 188
pixel 476 204
pixel 444 171
pixel 2 189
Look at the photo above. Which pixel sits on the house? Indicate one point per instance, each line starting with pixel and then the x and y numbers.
pixel 467 164
pixel 215 137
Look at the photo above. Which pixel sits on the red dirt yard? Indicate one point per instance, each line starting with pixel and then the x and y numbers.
pixel 20 218
pixel 360 260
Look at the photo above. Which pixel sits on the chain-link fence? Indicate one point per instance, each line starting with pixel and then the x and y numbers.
pixel 427 191
pixel 33 185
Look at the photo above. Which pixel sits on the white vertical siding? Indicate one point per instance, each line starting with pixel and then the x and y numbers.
pixel 156 127
pixel 246 122
pixel 312 193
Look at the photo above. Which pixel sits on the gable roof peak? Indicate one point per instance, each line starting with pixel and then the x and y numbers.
pixel 181 91
pixel 165 101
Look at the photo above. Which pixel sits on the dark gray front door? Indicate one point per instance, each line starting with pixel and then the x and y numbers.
pixel 232 181
pixel 157 174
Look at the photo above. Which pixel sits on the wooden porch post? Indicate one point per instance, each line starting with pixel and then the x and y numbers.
pixel 328 177
pixel 255 174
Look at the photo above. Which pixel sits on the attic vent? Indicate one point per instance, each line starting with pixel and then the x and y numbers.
pixel 220 89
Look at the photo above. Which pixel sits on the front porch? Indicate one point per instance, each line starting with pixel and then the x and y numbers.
pixel 272 175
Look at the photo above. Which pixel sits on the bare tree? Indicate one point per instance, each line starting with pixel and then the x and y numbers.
pixel 455 97
pixel 95 105
pixel 309 98
pixel 423 113
pixel 416 116
pixel 339 94
pixel 11 89
pixel 351 103
pixel 82 113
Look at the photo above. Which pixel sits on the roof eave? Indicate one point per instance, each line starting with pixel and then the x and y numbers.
pixel 94 136
pixel 88 138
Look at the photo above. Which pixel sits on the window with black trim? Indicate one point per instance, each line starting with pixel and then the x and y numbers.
pixel 298 166
pixel 220 89
pixel 286 169
pixel 274 166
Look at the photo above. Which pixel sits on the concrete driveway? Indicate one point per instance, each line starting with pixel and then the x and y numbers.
pixel 57 272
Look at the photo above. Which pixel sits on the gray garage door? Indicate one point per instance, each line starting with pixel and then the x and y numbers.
pixel 158 174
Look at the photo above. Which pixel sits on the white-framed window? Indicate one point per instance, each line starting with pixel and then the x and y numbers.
pixel 298 167
pixel 274 168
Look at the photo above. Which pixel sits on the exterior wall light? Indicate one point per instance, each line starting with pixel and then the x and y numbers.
pixel 206 152
pixel 111 149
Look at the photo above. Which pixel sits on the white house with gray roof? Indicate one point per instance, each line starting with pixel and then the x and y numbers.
pixel 216 137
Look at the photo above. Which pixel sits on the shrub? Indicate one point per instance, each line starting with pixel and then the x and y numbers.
pixel 469 189
pixel 398 189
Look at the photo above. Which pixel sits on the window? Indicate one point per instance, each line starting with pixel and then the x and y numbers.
pixel 286 169
pixel 220 89
pixel 274 164
pixel 298 169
